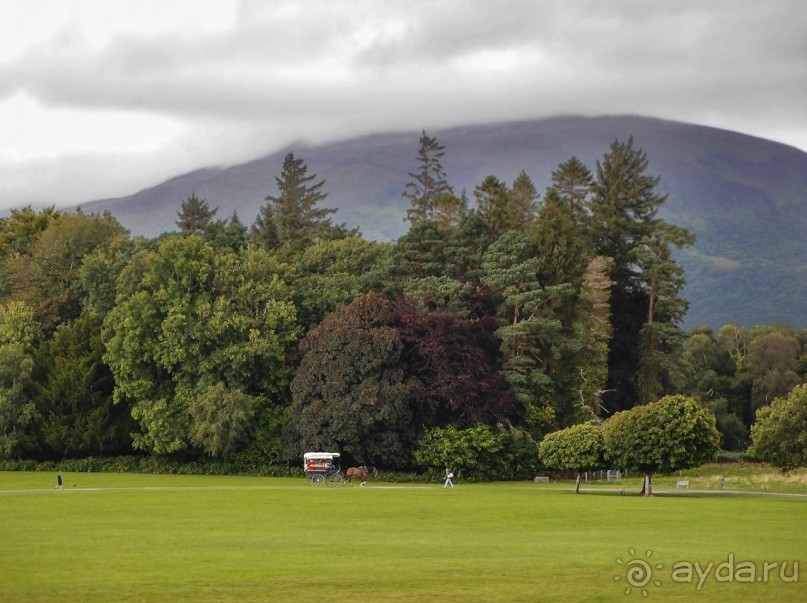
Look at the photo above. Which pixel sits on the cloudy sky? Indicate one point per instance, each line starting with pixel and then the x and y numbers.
pixel 104 97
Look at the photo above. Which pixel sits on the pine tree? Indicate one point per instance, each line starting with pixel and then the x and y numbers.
pixel 625 227
pixel 574 183
pixel 491 201
pixel 507 208
pixel 294 212
pixel 194 214
pixel 562 247
pixel 428 183
pixel 263 230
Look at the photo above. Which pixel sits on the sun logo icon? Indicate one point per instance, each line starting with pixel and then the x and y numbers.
pixel 638 572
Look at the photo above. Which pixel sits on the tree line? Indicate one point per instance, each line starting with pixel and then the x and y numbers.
pixel 481 330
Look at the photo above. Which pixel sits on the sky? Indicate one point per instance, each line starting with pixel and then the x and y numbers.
pixel 101 98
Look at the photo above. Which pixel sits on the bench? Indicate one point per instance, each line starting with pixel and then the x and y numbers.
pixel 682 483
pixel 541 478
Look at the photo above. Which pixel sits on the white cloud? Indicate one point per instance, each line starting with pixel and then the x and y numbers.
pixel 31 130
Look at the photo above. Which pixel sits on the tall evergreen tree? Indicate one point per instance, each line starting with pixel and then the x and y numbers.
pixel 491 201
pixel 593 330
pixel 661 362
pixel 624 223
pixel 574 183
pixel 522 205
pixel 263 230
pixel 428 182
pixel 449 210
pixel 293 214
pixel 194 214
pixel 507 208
pixel 563 249
pixel 531 334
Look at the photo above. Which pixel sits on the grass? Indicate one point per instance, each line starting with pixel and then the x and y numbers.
pixel 751 477
pixel 194 538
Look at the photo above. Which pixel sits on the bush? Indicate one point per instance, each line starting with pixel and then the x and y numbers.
pixel 480 452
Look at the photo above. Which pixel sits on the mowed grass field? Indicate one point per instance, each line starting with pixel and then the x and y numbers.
pixel 119 537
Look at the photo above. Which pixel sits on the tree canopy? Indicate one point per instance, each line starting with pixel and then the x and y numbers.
pixel 669 435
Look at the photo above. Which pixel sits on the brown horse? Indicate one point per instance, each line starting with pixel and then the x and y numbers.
pixel 360 473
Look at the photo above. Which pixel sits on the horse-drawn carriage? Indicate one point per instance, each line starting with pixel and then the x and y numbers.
pixel 322 468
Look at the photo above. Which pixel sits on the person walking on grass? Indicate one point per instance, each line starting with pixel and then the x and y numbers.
pixel 449 477
pixel 59 485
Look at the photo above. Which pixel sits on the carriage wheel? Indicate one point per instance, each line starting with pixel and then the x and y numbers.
pixel 336 479
pixel 317 479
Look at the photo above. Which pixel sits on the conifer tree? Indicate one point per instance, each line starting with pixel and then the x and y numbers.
pixel 507 208
pixel 428 182
pixel 294 212
pixel 194 214
pixel 449 210
pixel 625 227
pixel 574 183
pixel 562 247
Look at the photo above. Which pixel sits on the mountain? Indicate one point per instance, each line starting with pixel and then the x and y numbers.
pixel 743 197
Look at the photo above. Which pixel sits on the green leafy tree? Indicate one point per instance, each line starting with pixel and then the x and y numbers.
pixel 220 418
pixel 523 203
pixel 350 392
pixel 578 448
pixel 17 410
pixel 672 434
pixel 481 451
pixel 189 316
pixel 264 229
pixel 779 435
pixel 194 214
pixel 46 276
pixel 294 213
pixel 772 361
pixel 22 227
pixel 331 274
pixel 96 280
pixel 428 181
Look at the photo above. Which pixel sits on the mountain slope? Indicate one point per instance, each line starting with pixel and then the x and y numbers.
pixel 743 197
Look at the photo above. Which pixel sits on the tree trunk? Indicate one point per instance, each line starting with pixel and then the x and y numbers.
pixel 577 484
pixel 647 488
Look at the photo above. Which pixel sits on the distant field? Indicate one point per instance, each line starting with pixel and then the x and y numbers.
pixel 120 537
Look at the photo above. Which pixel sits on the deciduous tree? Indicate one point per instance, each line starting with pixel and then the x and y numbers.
pixel 350 392
pixel 661 437
pixel 779 435
pixel 577 448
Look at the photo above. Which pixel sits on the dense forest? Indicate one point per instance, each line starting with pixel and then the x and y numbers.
pixel 502 315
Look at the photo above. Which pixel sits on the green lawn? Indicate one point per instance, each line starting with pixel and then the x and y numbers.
pixel 116 537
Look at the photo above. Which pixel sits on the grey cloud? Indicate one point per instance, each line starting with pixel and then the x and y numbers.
pixel 319 70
